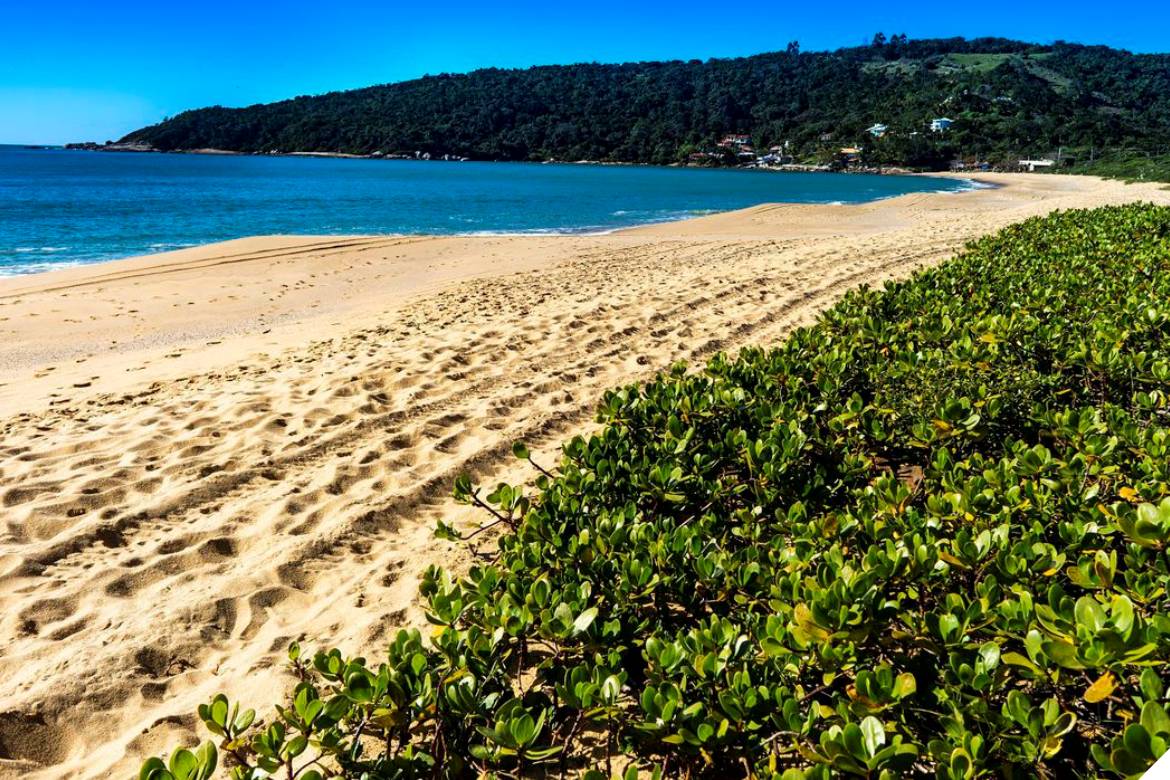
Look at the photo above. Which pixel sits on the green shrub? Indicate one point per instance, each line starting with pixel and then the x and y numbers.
pixel 927 536
pixel 1128 166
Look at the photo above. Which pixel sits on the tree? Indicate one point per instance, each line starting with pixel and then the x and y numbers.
pixel 645 112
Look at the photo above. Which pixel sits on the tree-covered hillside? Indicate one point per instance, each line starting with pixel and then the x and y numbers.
pixel 1006 98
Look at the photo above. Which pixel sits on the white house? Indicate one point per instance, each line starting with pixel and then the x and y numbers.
pixel 940 124
pixel 877 130
pixel 735 140
pixel 1032 165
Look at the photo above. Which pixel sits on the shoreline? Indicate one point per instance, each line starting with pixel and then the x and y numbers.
pixel 554 244
pixel 136 148
pixel 43 256
pixel 211 452
pixel 888 170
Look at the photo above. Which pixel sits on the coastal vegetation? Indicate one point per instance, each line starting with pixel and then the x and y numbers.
pixel 1128 166
pixel 1005 100
pixel 925 536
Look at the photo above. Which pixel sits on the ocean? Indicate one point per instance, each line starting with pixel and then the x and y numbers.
pixel 61 208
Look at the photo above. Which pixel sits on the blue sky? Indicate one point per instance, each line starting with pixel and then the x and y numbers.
pixel 94 71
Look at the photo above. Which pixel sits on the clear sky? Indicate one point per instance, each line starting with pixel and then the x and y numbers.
pixel 74 71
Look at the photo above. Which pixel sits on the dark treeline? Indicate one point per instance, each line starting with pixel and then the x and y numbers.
pixel 1006 98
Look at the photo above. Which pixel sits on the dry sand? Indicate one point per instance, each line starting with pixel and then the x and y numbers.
pixel 211 452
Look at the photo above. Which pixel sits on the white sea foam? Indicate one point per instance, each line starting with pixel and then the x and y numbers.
pixel 966 185
pixel 35 268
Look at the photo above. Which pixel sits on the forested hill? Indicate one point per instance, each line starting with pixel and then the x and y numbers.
pixel 1006 98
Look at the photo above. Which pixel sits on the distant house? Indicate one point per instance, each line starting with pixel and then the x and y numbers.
pixel 777 155
pixel 970 164
pixel 941 124
pixel 1032 165
pixel 735 140
pixel 877 130
pixel 849 156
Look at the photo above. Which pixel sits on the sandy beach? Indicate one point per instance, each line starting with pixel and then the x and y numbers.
pixel 209 453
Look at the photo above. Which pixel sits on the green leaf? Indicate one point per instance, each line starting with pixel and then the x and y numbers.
pixel 543 754
pixel 873 735
pixel 208 759
pixel 523 729
pixel 296 745
pixel 1137 741
pixel 219 711
pixel 154 768
pixel 183 764
pixel 1151 685
pixel 584 620
pixel 1016 659
pixel 1154 718
pixel 904 685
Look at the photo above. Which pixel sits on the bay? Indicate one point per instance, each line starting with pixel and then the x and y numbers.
pixel 60 208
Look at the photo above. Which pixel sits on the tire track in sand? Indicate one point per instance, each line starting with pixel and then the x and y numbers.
pixel 183 534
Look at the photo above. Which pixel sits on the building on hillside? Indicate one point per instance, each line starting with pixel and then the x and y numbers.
pixel 877 130
pixel 941 124
pixel 1032 165
pixel 777 155
pixel 969 164
pixel 849 156
pixel 735 140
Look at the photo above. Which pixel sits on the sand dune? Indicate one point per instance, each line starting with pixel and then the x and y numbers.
pixel 211 452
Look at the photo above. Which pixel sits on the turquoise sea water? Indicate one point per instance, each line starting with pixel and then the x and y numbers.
pixel 60 208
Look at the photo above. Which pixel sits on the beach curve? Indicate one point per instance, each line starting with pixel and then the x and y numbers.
pixel 212 452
